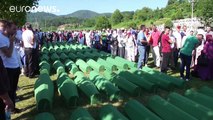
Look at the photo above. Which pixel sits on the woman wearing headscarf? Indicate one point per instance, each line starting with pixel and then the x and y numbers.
pixel 204 66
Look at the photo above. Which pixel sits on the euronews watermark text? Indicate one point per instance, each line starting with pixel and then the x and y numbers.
pixel 48 9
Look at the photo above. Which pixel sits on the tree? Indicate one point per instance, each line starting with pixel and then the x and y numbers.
pixel 205 11
pixel 161 14
pixel 168 23
pixel 116 17
pixel 157 14
pixel 89 22
pixel 127 16
pixel 177 15
pixel 102 23
pixel 144 14
pixel 171 2
pixel 132 24
pixel 183 1
pixel 16 11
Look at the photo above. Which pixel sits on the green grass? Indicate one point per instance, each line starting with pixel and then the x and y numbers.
pixel 61 111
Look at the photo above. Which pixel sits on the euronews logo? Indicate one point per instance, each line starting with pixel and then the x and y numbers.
pixel 33 9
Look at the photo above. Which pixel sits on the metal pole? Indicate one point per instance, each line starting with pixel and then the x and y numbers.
pixel 192 16
pixel 193 8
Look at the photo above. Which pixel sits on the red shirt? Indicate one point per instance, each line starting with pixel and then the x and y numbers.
pixel 165 43
pixel 155 38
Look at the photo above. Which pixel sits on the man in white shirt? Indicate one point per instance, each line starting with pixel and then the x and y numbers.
pixel 29 45
pixel 178 37
pixel 10 58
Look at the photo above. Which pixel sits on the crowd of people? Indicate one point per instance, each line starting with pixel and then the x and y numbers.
pixel 169 47
pixel 19 51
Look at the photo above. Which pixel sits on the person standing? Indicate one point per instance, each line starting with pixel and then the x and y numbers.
pixel 5 100
pixel 81 38
pixel 114 43
pixel 185 32
pixel 36 52
pixel 10 59
pixel 88 38
pixel 166 50
pixel 186 54
pixel 97 40
pixel 155 45
pixel 121 44
pixel 29 43
pixel 130 47
pixel 204 66
pixel 141 42
pixel 173 47
pixel 19 49
pixel 148 37
pixel 104 40
pixel 178 35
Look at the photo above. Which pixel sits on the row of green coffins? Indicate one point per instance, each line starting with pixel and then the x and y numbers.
pixel 147 77
pixel 111 64
pixel 145 80
pixel 203 97
pixel 95 81
pixel 176 107
pixel 115 72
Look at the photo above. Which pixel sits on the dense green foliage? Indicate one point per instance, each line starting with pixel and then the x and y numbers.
pixel 89 22
pixel 102 22
pixel 205 11
pixel 169 23
pixel 175 9
pixel 16 16
pixel 127 15
pixel 116 17
pixel 143 14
